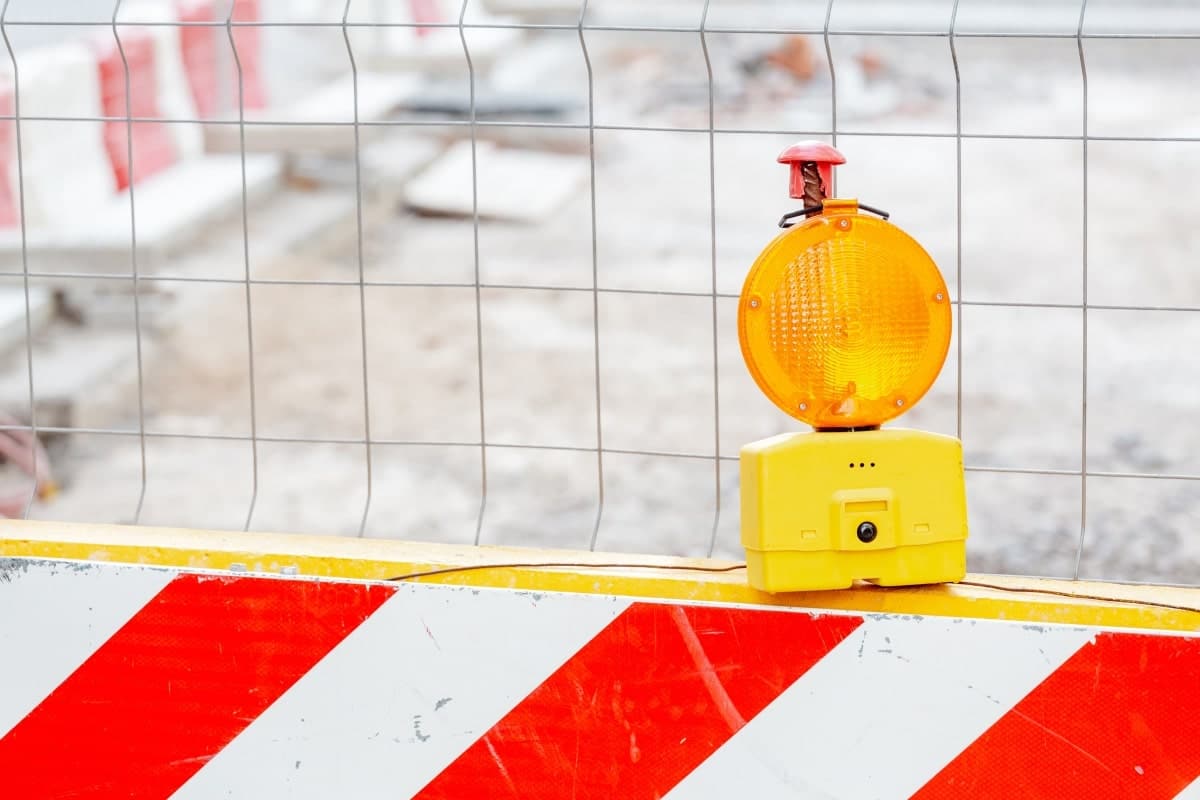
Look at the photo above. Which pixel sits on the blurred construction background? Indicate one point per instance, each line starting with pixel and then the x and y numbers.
pixel 515 279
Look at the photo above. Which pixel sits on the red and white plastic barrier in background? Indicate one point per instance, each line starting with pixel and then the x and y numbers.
pixel 72 164
pixel 9 213
pixel 66 169
pixel 152 150
pixel 211 70
pixel 139 682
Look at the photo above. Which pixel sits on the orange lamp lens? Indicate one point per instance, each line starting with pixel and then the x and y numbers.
pixel 844 320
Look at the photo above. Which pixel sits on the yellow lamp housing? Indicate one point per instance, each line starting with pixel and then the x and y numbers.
pixel 844 323
pixel 822 509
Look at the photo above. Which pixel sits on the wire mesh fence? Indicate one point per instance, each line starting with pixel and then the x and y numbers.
pixel 468 271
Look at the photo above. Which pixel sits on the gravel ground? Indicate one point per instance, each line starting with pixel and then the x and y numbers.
pixel 1023 367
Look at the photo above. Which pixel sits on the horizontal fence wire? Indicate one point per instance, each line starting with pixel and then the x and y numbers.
pixel 386 442
pixel 532 287
pixel 589 27
pixel 454 123
pixel 473 126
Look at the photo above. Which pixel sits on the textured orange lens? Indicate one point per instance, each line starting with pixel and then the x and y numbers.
pixel 844 320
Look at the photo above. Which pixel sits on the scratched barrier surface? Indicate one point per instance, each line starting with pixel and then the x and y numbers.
pixel 137 681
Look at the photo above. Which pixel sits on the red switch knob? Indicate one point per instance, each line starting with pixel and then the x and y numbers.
pixel 811 166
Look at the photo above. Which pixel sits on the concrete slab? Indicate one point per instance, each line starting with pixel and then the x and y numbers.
pixel 387 163
pixel 329 112
pixel 441 49
pixel 12 316
pixel 63 381
pixel 172 207
pixel 515 185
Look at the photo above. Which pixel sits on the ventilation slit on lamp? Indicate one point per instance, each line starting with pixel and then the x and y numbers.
pixel 844 323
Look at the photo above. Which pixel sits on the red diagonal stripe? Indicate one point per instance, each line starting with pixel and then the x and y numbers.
pixel 1121 718
pixel 642 704
pixel 176 684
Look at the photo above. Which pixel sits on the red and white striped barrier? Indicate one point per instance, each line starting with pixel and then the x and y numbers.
pixel 67 170
pixel 66 156
pixel 9 212
pixel 129 87
pixel 76 157
pixel 209 59
pixel 175 73
pixel 198 52
pixel 139 682
pixel 301 95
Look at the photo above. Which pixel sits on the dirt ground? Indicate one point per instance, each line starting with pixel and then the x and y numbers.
pixel 1022 339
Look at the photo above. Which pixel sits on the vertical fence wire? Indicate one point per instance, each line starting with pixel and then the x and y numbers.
pixel 833 123
pixel 591 92
pixel 241 109
pixel 483 470
pixel 1083 400
pixel 362 275
pixel 712 227
pixel 33 425
pixel 133 262
pixel 958 238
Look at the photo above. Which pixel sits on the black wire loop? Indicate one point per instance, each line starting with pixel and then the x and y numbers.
pixel 786 220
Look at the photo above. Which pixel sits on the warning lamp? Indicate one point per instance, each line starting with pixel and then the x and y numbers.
pixel 844 323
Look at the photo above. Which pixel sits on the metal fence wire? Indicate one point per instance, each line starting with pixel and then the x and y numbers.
pixel 468 271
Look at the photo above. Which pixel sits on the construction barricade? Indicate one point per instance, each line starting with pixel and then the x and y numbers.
pixel 182 664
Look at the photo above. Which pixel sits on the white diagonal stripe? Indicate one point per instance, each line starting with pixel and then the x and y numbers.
pixel 1192 792
pixel 407 692
pixel 53 615
pixel 885 710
